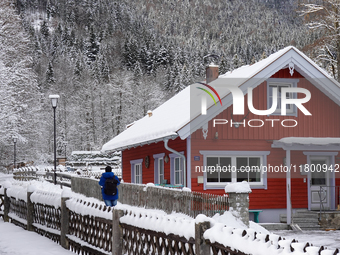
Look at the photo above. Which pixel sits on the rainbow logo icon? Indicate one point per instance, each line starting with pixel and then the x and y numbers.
pixel 209 93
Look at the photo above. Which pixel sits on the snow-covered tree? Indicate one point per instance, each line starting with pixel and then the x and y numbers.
pixel 18 86
pixel 325 16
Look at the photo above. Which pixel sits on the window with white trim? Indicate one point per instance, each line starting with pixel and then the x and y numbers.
pixel 279 84
pixel 223 167
pixel 178 171
pixel 159 177
pixel 136 171
pixel 160 170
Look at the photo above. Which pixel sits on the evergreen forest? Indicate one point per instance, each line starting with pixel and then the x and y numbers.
pixel 111 61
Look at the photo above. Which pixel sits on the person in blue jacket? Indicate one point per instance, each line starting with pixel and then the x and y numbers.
pixel 108 199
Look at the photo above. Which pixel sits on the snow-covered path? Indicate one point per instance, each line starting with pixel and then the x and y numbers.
pixel 16 241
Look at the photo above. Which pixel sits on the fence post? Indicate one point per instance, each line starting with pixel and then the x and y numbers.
pixel 117 233
pixel 30 212
pixel 7 203
pixel 64 223
pixel 240 203
pixel 201 247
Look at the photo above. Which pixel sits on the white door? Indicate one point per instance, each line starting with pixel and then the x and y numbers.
pixel 319 183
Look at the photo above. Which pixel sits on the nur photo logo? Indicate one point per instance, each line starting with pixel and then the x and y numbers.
pixel 282 98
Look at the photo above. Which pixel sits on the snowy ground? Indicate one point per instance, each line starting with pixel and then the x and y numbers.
pixel 15 240
pixel 329 239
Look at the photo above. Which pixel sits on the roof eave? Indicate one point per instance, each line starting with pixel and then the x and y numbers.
pixel 135 145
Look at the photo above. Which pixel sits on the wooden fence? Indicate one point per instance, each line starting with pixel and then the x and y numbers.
pixel 89 228
pixel 190 203
pixel 169 200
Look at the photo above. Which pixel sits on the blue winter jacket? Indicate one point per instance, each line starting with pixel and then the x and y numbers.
pixel 108 175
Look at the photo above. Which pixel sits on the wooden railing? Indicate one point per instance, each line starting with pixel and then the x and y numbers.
pixel 25 175
pixel 143 241
pixel 189 203
pixel 62 178
pixel 92 228
pixel 95 232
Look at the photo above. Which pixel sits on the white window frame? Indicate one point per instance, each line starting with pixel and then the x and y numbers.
pixel 179 171
pixel 134 164
pixel 173 158
pixel 139 174
pixel 284 82
pixel 233 155
pixel 158 165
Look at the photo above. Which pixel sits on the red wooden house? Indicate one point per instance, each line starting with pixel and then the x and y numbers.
pixel 286 154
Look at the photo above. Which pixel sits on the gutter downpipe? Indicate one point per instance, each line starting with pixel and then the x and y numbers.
pixel 166 146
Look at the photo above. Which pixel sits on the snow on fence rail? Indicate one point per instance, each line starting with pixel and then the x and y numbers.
pixel 90 226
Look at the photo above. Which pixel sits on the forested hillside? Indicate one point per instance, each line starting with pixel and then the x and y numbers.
pixel 111 61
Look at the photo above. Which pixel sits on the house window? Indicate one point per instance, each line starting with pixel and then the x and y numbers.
pixel 218 169
pixel 176 169
pixel 159 177
pixel 248 169
pixel 161 170
pixel 279 84
pixel 136 171
pixel 223 167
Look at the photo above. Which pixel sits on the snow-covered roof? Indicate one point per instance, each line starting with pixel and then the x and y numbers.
pixel 180 116
pixel 311 140
pixel 165 121
pixel 291 142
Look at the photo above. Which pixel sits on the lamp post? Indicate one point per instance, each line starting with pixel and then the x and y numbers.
pixel 54 100
pixel 15 139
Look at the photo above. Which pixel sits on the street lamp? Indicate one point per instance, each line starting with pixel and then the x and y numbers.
pixel 15 139
pixel 54 100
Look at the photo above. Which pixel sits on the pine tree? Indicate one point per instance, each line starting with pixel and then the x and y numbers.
pixel 44 30
pixel 50 79
pixel 92 48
